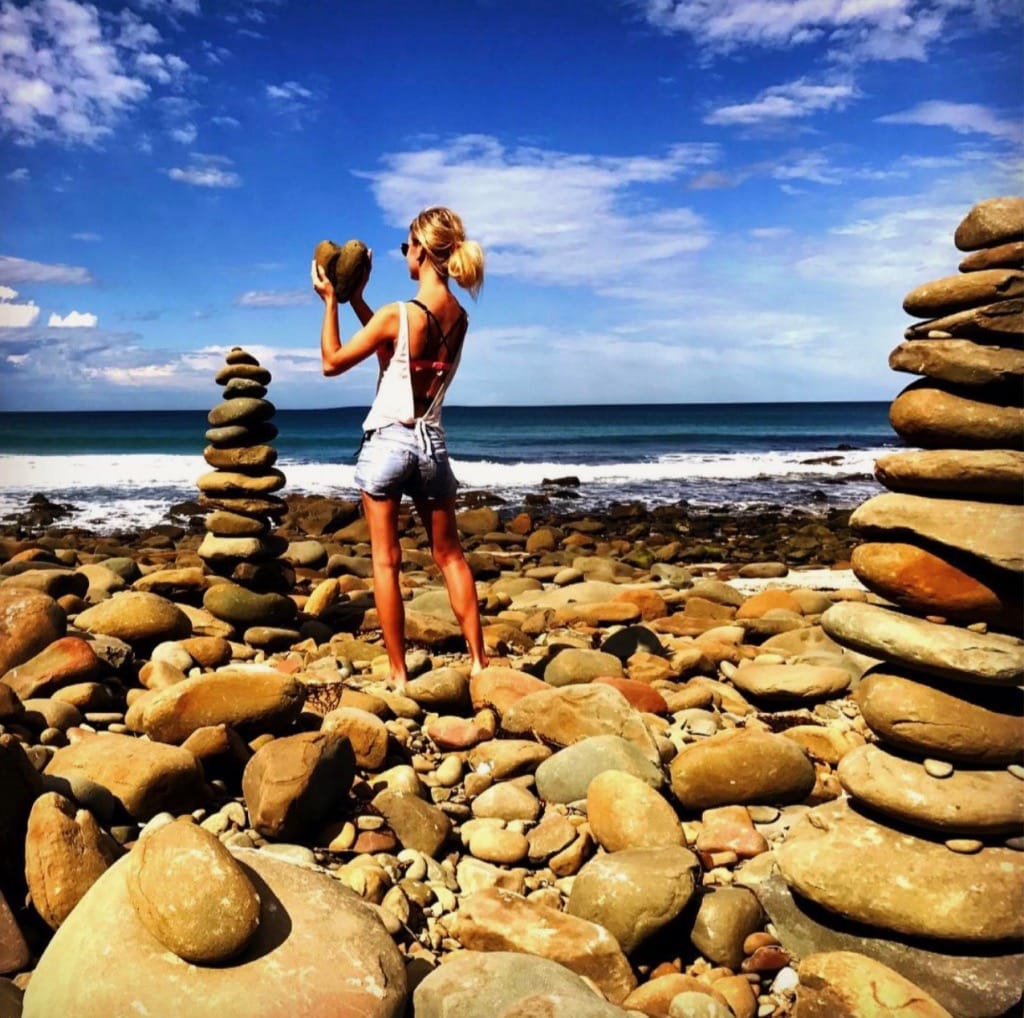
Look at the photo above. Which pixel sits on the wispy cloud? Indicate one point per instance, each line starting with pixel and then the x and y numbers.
pixel 963 118
pixel 21 270
pixel 73 320
pixel 87 236
pixel 554 218
pixel 273 298
pixel 206 171
pixel 853 30
pixel 787 102
pixel 62 77
pixel 18 175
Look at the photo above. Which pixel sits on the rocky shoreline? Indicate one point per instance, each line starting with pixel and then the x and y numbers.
pixel 721 765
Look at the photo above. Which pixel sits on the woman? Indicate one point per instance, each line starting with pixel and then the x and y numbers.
pixel 418 345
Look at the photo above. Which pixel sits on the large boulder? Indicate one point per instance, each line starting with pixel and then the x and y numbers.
pixel 876 875
pixel 566 775
pixel 319 950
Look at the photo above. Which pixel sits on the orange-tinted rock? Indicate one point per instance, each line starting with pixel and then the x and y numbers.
pixel 29 622
pixel 639 694
pixel 958 361
pixel 651 604
pixel 1001 322
pixel 922 582
pixel 767 600
pixel 939 415
pixel 500 687
pixel 67 660
pixel 1002 256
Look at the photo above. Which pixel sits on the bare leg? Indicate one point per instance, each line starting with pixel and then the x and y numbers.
pixel 438 517
pixel 382 518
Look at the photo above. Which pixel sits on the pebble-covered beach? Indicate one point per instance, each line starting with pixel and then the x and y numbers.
pixel 721 765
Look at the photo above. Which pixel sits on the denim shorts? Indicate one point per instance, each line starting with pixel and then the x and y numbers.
pixel 396 460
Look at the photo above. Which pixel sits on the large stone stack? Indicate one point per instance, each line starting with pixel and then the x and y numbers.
pixel 239 491
pixel 928 842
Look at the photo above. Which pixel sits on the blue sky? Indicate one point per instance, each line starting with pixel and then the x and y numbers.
pixel 680 200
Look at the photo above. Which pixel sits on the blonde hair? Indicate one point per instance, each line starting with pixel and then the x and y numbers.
pixel 443 237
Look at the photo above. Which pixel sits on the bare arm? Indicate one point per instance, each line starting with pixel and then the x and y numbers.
pixel 377 334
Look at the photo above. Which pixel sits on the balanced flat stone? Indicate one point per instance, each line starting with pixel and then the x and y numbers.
pixel 244 387
pixel 239 355
pixel 990 531
pixel 1002 256
pixel 1000 322
pixel 231 484
pixel 241 607
pixel 269 505
pixel 241 410
pixel 971 473
pixel 873 874
pixel 254 549
pixel 250 371
pixel 958 293
pixel 959 361
pixel 967 802
pixel 226 524
pixel 231 436
pixel 979 983
pixel 936 414
pixel 243 458
pixel 925 583
pixel 972 725
pixel 944 651
pixel 991 222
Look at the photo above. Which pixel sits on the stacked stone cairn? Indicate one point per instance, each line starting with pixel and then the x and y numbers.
pixel 926 848
pixel 239 494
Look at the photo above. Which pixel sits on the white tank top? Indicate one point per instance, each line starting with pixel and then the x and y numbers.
pixel 394 402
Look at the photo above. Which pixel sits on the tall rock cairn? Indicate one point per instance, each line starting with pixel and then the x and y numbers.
pixel 239 491
pixel 928 842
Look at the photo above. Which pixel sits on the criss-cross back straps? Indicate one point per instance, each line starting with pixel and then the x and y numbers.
pixel 445 336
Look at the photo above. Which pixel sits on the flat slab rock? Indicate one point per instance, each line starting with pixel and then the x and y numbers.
pixel 940 650
pixel 959 361
pixel 990 531
pixel 970 473
pixel 936 415
pixel 968 983
pixel 966 290
pixel 967 802
pixel 857 868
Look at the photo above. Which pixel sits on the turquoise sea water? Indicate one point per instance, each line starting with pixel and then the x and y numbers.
pixel 129 467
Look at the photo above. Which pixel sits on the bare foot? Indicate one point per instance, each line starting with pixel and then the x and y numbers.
pixel 478 666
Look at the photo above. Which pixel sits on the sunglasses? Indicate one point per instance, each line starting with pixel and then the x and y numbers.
pixel 404 248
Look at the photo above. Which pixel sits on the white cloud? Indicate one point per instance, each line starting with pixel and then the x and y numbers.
pixel 163 68
pixel 87 236
pixel 855 29
pixel 18 175
pixel 770 232
pixel 784 102
pixel 59 76
pixel 186 133
pixel 811 166
pixel 551 218
pixel 273 298
pixel 15 316
pixel 963 118
pixel 170 7
pixel 21 270
pixel 289 91
pixel 73 320
pixel 207 171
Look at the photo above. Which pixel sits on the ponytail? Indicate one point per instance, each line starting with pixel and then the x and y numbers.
pixel 443 237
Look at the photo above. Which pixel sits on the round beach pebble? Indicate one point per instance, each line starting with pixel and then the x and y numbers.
pixel 990 222
pixel 242 607
pixel 191 894
pixel 625 812
pixel 136 616
pixel 741 767
pixel 790 681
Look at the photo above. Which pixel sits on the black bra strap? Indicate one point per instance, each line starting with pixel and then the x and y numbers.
pixel 430 314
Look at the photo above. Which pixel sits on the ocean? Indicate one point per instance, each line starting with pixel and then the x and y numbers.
pixel 121 470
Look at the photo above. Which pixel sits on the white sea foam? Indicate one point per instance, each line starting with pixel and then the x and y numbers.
pixel 137 490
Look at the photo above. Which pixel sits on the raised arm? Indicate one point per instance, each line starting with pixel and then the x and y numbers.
pixel 377 334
